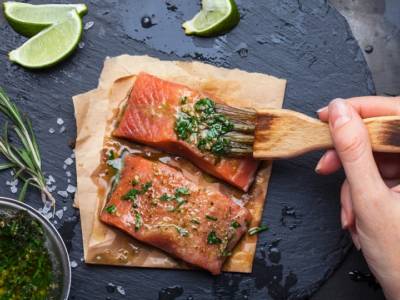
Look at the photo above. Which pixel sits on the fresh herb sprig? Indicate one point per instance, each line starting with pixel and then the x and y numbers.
pixel 25 159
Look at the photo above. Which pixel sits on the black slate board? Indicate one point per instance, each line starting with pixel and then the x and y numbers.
pixel 307 42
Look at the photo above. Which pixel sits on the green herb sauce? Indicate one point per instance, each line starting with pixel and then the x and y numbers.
pixel 25 265
pixel 213 239
pixel 200 124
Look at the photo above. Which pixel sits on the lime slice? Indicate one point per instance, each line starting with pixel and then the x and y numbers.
pixel 215 17
pixel 28 19
pixel 50 45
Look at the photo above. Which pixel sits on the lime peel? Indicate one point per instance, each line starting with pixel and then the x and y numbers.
pixel 216 17
pixel 51 45
pixel 28 19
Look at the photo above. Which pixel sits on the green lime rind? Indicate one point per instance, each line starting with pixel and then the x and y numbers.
pixel 51 45
pixel 28 19
pixel 216 17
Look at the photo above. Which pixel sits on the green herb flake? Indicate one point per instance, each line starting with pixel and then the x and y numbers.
pixel 195 221
pixel 138 220
pixel 211 218
pixel 184 100
pixel 131 195
pixel 182 231
pixel 146 186
pixel 226 253
pixel 111 209
pixel 256 230
pixel 235 224
pixel 111 155
pixel 165 197
pixel 182 191
pixel 135 182
pixel 213 239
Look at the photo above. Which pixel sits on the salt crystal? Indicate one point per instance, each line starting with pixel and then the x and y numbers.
pixel 64 166
pixel 48 215
pixel 62 129
pixel 52 130
pixel 71 189
pixel 68 161
pixel 63 194
pixel 47 206
pixel 68 180
pixel 73 155
pixel 81 45
pixel 121 290
pixel 55 222
pixel 59 213
pixel 68 173
pixel 60 121
pixel 82 259
pixel 13 189
pixel 65 208
pixel 74 264
pixel 88 25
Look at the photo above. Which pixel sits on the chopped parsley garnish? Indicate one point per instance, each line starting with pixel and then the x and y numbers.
pixel 131 195
pixel 226 253
pixel 146 186
pixel 213 239
pixel 182 191
pixel 166 197
pixel 203 126
pixel 134 182
pixel 235 224
pixel 138 220
pixel 178 198
pixel 111 155
pixel 184 100
pixel 211 218
pixel 111 209
pixel 255 230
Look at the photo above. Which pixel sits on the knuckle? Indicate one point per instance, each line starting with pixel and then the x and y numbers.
pixel 352 149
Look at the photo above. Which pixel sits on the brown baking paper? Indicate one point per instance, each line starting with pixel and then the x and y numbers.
pixel 106 245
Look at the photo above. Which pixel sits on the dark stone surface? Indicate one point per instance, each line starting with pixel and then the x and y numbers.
pixel 307 42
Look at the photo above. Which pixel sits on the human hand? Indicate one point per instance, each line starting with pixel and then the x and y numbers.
pixel 370 195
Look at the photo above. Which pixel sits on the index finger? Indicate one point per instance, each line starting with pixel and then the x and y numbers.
pixel 369 106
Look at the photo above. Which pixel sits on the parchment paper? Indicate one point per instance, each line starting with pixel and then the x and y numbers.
pixel 106 245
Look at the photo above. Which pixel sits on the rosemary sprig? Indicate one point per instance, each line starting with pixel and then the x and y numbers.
pixel 25 159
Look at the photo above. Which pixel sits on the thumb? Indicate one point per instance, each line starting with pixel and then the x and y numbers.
pixel 352 144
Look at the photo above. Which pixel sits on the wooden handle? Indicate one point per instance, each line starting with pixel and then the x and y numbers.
pixel 282 133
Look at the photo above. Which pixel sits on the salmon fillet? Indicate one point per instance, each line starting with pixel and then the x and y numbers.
pixel 157 205
pixel 150 118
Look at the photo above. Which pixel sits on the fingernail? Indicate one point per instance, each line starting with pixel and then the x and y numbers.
pixel 319 164
pixel 343 218
pixel 322 109
pixel 339 113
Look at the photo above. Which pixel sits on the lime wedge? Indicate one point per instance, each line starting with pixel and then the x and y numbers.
pixel 215 17
pixel 28 19
pixel 50 45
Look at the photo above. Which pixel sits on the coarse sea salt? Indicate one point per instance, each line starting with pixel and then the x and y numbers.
pixel 63 194
pixel 60 121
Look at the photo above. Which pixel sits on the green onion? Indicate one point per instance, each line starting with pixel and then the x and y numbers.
pixel 24 156
pixel 146 186
pixel 256 230
pixel 182 191
pixel 131 195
